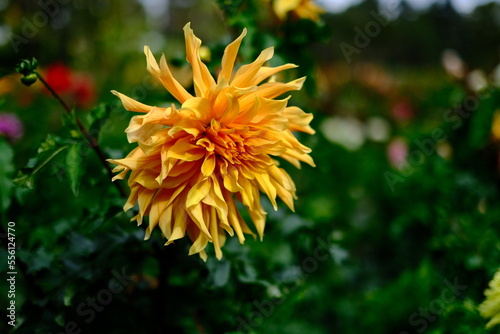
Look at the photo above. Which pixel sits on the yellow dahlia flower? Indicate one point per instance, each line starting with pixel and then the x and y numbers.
pixel 303 9
pixel 194 161
pixel 490 308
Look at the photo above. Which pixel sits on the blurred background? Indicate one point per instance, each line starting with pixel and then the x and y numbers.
pixel 396 230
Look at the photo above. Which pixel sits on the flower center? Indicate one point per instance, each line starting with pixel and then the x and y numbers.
pixel 229 143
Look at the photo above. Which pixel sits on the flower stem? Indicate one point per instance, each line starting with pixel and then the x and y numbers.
pixel 92 141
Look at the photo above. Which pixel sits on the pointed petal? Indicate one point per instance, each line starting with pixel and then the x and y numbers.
pixel 269 90
pixel 208 165
pixel 200 107
pixel 268 188
pixel 164 75
pixel 298 120
pixel 266 72
pixel 180 224
pixel 131 104
pixel 214 230
pixel 157 207
pixel 245 76
pixel 202 78
pixel 199 245
pixel 166 221
pixel 197 193
pixel 229 57
pixel 185 151
pixel 198 217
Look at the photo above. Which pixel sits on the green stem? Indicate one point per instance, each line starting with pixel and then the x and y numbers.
pixel 92 141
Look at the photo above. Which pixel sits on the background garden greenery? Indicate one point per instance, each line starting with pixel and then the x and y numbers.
pixel 375 245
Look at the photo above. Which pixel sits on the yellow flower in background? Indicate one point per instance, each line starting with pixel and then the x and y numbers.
pixel 192 163
pixel 304 9
pixel 490 308
pixel 495 127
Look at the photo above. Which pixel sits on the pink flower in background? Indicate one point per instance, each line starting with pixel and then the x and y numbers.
pixel 10 126
pixel 397 151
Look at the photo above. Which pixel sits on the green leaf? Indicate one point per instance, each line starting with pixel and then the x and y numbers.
pixel 38 260
pixel 97 118
pixel 69 293
pixel 219 272
pixel 74 165
pixel 48 149
pixel 69 122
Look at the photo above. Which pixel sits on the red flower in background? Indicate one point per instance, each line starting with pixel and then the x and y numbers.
pixel 59 77
pixel 402 110
pixel 77 88
pixel 84 90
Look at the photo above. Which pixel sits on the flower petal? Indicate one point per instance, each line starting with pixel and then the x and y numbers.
pixel 131 104
pixel 298 120
pixel 282 7
pixel 245 75
pixel 202 78
pixel 208 165
pixel 184 151
pixel 229 57
pixel 162 73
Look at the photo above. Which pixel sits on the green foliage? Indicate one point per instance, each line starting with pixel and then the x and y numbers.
pixel 47 151
pixel 6 171
pixel 229 7
pixel 97 119
pixel 74 167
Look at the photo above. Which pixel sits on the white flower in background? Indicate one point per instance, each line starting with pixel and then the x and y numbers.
pixel 476 80
pixel 377 129
pixel 344 131
pixel 453 64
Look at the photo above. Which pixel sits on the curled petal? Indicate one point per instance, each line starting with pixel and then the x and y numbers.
pixel 202 78
pixel 162 73
pixel 131 104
